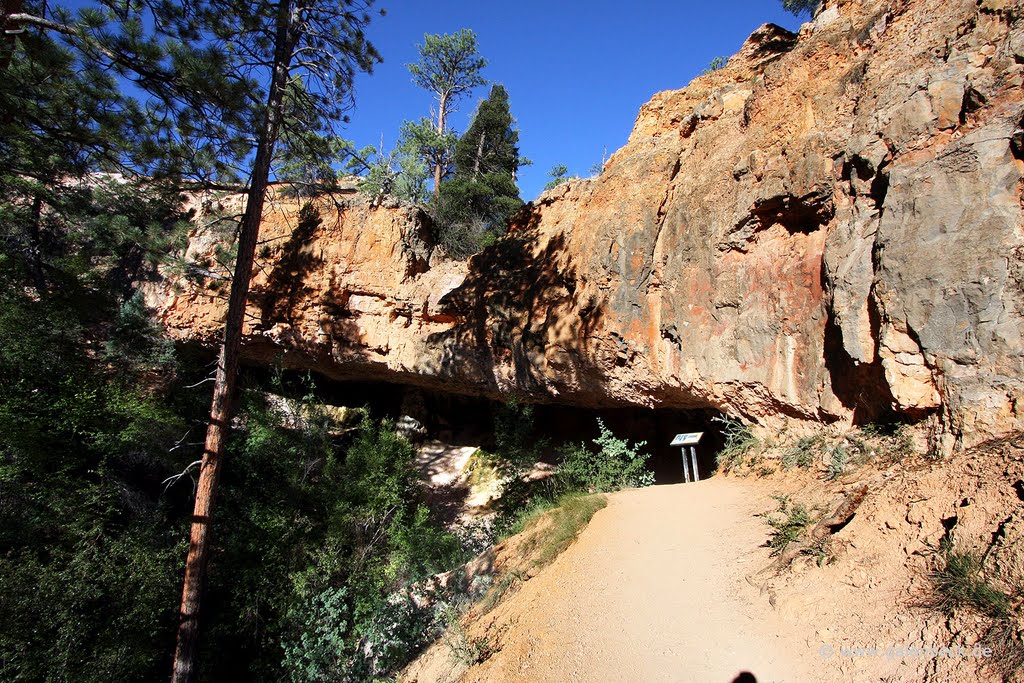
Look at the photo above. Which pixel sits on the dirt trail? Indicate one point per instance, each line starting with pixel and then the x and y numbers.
pixel 653 590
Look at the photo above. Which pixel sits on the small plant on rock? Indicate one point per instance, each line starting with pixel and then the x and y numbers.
pixel 960 581
pixel 838 462
pixel 802 453
pixel 795 519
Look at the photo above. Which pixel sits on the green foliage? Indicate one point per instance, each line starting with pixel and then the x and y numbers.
pixel 516 443
pixel 137 339
pixel 508 583
pixel 798 7
pixel 559 174
pixel 315 534
pixel 476 203
pixel 463 648
pixel 88 552
pixel 524 513
pixel 794 521
pixel 400 173
pixel 449 64
pixel 891 442
pixel 714 65
pixel 317 650
pixel 959 583
pixel 615 464
pixel 398 631
pixel 321 535
pixel 491 144
pixel 449 67
pixel 569 517
pixel 93 421
pixel 802 454
pixel 839 459
pixel 306 165
pixel 739 442
pixel 597 168
pixel 426 147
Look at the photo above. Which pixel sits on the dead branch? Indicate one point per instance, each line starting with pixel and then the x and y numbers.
pixel 818 533
pixel 172 480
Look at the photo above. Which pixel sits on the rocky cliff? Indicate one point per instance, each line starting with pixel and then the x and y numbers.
pixel 828 229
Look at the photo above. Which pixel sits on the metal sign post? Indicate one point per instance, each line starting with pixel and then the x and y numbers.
pixel 684 441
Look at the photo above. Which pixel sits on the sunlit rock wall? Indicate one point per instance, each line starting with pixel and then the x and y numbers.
pixel 828 229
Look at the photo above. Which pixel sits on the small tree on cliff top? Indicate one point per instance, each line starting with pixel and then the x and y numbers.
pixel 449 67
pixel 483 191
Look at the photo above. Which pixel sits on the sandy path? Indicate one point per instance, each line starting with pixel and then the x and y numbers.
pixel 653 590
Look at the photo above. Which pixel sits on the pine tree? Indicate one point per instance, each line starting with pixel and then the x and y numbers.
pixel 798 7
pixel 308 54
pixel 449 67
pixel 481 196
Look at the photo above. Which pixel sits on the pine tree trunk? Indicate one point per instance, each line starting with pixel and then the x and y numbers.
pixel 8 32
pixel 35 245
pixel 479 153
pixel 442 104
pixel 185 668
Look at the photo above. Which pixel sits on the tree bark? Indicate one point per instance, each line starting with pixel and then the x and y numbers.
pixel 479 153
pixel 185 668
pixel 441 115
pixel 8 33
pixel 35 245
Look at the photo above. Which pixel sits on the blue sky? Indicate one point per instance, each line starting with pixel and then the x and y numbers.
pixel 577 72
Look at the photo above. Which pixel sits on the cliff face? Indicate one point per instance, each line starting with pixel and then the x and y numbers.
pixel 828 229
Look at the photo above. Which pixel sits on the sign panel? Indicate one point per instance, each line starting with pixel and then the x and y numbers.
pixel 690 439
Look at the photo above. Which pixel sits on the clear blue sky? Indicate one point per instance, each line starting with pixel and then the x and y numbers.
pixel 577 71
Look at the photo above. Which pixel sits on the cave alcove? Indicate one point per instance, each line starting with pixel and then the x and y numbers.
pixel 464 420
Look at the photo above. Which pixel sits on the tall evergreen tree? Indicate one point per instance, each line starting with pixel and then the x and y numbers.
pixel 225 81
pixel 449 67
pixel 307 54
pixel 86 209
pixel 482 194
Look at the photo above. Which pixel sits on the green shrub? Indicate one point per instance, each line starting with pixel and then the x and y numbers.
pixel 959 583
pixel 319 649
pixel 616 464
pixel 136 339
pixel 516 443
pixel 802 454
pixel 558 174
pixel 714 65
pixel 794 521
pixel 317 539
pixel 89 551
pixel 839 458
pixel 739 443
